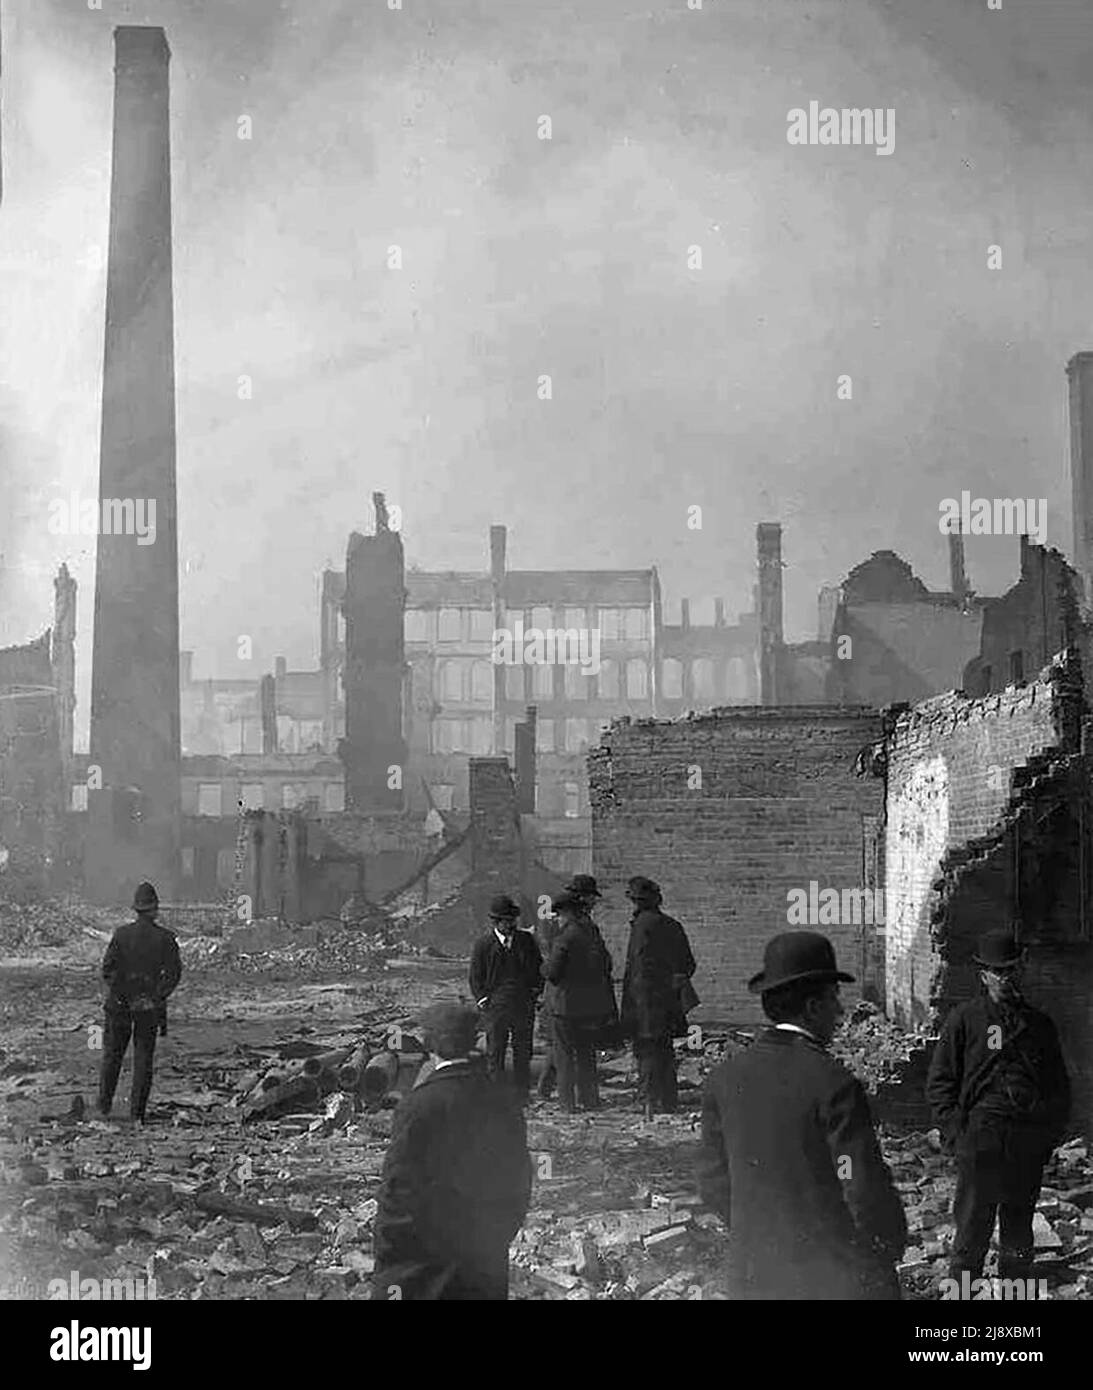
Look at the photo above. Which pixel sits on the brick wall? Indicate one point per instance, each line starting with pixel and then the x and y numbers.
pixel 31 787
pixel 778 805
pixel 950 773
pixel 988 824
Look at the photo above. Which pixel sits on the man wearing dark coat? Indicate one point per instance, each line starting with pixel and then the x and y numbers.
pixel 790 1159
pixel 506 980
pixel 1000 1095
pixel 456 1177
pixel 583 887
pixel 141 968
pixel 658 962
pixel 583 1000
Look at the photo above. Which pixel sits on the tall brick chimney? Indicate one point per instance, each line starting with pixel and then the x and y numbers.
pixel 524 760
pixel 133 823
pixel 375 665
pixel 768 539
pixel 1079 371
pixel 958 579
pixel 498 544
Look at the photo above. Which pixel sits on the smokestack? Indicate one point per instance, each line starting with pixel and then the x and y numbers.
pixel 719 612
pixel 1079 371
pixel 133 823
pixel 768 538
pixel 525 762
pixel 498 538
pixel 373 751
pixel 267 697
pixel 684 613
pixel 958 581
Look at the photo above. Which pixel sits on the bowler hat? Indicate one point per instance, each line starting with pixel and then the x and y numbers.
pixel 640 887
pixel 450 1029
pixel 145 898
pixel 583 886
pixel 797 955
pixel 564 900
pixel 502 907
pixel 998 949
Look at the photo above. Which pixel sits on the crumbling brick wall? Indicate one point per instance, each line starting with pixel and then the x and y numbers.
pixel 31 783
pixel 988 825
pixel 950 766
pixel 728 812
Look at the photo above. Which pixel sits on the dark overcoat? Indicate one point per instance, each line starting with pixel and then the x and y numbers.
pixel 791 1163
pixel 658 950
pixel 489 959
pixel 963 1069
pixel 579 969
pixel 455 1190
pixel 141 961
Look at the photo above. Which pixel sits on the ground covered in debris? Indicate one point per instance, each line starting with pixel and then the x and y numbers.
pixel 226 1195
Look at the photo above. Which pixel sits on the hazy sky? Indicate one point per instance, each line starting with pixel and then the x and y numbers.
pixel 671 386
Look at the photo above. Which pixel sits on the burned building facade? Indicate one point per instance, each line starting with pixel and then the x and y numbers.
pixel 37 700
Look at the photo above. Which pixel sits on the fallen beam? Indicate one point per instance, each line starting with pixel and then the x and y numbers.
pixel 262 1214
pixel 259 1102
pixel 349 1073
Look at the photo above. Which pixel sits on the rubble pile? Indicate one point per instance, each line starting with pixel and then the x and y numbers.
pixel 333 951
pixel 29 925
pixel 874 1048
pixel 1063 1226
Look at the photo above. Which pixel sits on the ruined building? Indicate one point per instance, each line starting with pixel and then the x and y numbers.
pixel 133 818
pixel 374 749
pixel 37 699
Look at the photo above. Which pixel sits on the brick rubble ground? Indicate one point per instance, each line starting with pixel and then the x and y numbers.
pixel 614 1213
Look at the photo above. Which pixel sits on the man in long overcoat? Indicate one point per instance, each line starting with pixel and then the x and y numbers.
pixel 582 1001
pixel 789 1158
pixel 583 887
pixel 141 968
pixel 1000 1094
pixel 506 981
pixel 456 1176
pixel 658 962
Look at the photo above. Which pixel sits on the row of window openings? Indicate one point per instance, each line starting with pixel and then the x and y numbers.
pixel 475 736
pixel 472 682
pixel 442 793
pixel 210 797
pixel 477 624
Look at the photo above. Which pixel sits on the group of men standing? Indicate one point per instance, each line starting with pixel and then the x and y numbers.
pixel 563 968
pixel 789 1155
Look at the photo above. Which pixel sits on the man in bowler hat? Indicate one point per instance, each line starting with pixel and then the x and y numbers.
pixel 658 963
pixel 141 968
pixel 584 890
pixel 456 1177
pixel 506 981
pixel 1000 1094
pixel 790 1159
pixel 582 1001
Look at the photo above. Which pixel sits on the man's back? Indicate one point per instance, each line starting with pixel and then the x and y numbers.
pixel 791 1161
pixel 142 957
pixel 457 1177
